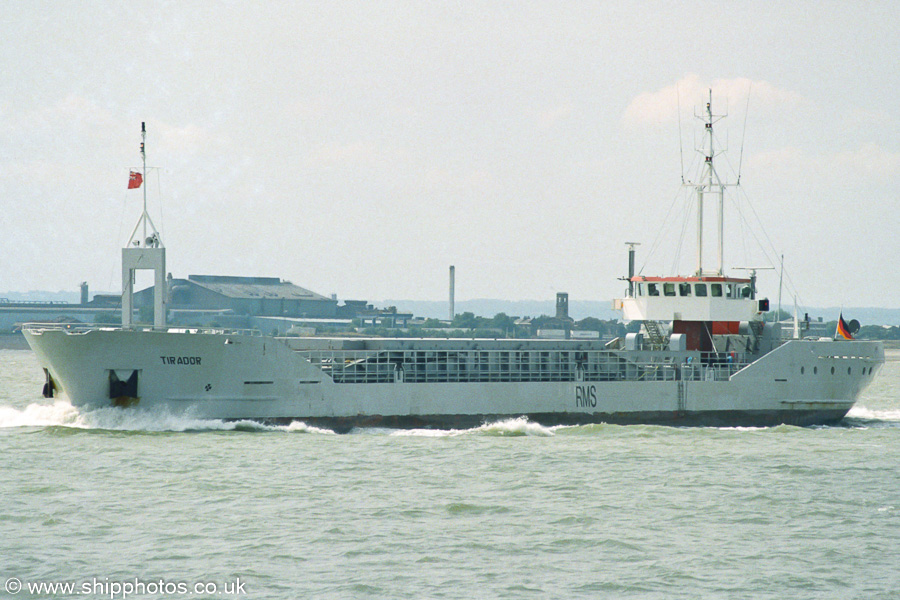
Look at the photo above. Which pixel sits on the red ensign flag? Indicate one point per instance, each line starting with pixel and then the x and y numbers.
pixel 135 180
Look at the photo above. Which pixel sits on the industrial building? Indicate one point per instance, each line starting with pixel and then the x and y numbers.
pixel 269 304
pixel 246 296
pixel 14 313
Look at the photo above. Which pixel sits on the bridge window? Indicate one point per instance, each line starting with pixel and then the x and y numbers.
pixel 716 289
pixel 640 289
pixel 700 289
pixel 669 289
pixel 684 289
pixel 652 289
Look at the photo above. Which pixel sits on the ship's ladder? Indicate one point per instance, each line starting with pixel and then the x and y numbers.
pixel 654 334
pixel 757 327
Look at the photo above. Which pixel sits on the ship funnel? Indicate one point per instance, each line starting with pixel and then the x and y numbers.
pixel 631 246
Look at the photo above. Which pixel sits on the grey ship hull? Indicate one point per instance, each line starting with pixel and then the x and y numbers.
pixel 725 418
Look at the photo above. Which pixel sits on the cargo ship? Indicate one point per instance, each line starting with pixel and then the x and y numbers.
pixel 705 356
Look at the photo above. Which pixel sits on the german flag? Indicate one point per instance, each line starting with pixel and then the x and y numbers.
pixel 843 329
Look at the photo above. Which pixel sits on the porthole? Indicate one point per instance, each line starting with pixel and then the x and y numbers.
pixel 849 369
pixel 802 369
pixel 832 370
pixel 815 370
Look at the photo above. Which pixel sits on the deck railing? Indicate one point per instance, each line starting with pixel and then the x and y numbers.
pixel 496 366
pixel 82 328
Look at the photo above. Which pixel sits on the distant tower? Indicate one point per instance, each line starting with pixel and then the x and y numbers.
pixel 84 292
pixel 452 291
pixel 562 305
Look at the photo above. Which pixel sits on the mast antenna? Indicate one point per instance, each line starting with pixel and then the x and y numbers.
pixel 680 139
pixel 709 184
pixel 144 160
pixel 744 134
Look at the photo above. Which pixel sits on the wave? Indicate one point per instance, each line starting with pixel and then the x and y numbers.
pixel 514 427
pixel 60 413
pixel 63 414
pixel 301 427
pixel 520 426
pixel 860 416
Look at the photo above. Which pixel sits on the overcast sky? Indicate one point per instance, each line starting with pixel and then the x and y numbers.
pixel 360 148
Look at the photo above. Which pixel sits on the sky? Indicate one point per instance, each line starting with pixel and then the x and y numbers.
pixel 361 148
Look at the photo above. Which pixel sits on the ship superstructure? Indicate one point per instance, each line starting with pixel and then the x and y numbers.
pixel 708 303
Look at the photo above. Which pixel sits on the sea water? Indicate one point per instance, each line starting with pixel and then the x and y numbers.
pixel 120 504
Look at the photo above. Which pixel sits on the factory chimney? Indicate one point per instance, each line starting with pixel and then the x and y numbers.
pixel 452 291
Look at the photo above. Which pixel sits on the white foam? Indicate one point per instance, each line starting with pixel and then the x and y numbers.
pixel 40 415
pixel 743 428
pixel 861 412
pixel 63 414
pixel 434 433
pixel 520 426
pixel 301 427
pixel 118 419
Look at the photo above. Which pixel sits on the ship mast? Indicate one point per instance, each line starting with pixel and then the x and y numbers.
pixel 144 253
pixel 708 303
pixel 710 184
pixel 153 240
pixel 145 216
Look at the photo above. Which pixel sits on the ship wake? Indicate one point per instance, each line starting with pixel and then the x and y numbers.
pixel 860 416
pixel 520 426
pixel 64 415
